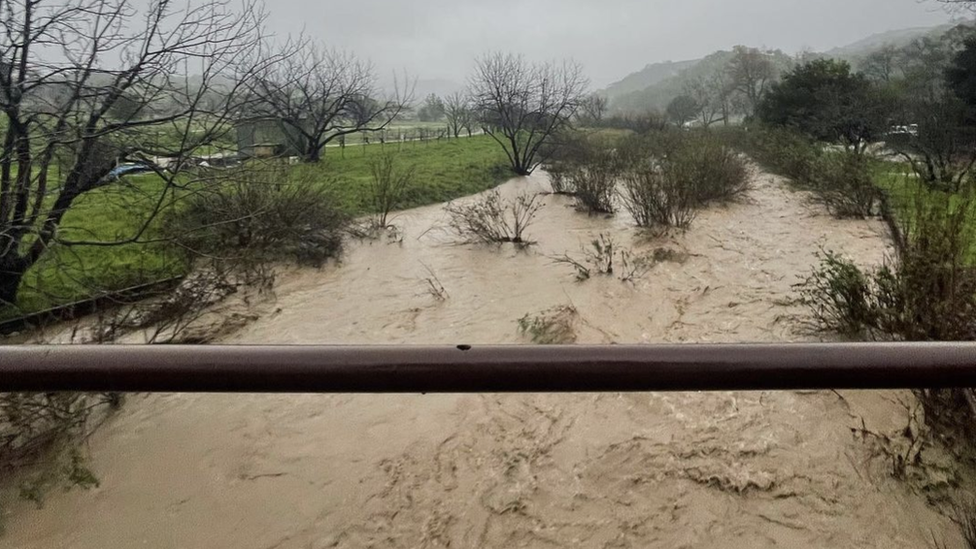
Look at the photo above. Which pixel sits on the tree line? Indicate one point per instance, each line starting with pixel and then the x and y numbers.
pixel 919 100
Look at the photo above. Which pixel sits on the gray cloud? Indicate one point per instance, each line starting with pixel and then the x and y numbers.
pixel 437 39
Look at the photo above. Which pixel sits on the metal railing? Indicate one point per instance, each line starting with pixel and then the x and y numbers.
pixel 475 368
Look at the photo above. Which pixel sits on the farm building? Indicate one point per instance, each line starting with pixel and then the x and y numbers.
pixel 267 136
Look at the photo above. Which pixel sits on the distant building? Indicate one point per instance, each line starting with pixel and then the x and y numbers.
pixel 268 136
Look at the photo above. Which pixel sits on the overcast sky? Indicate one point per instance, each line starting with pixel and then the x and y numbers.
pixel 437 39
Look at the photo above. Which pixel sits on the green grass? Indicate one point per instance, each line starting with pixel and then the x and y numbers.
pixel 444 170
pixel 907 194
pixel 408 129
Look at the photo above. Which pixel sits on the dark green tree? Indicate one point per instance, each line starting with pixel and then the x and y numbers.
pixel 826 101
pixel 682 109
pixel 433 109
pixel 961 75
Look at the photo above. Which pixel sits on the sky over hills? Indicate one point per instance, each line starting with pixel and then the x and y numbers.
pixel 437 39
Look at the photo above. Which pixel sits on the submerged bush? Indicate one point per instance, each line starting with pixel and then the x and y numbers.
pixel 717 172
pixel 492 220
pixel 668 176
pixel 655 198
pixel 604 257
pixel 558 177
pixel 585 166
pixel 40 432
pixel 563 153
pixel 551 327
pixel 594 184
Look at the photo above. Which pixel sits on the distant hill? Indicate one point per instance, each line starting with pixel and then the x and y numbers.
pixel 657 96
pixel 657 84
pixel 646 77
pixel 897 38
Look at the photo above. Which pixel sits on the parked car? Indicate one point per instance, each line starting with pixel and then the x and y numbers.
pixel 127 169
pixel 910 129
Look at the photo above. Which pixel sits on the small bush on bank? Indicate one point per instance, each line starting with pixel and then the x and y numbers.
pixel 492 220
pixel 927 294
pixel 388 187
pixel 842 298
pixel 839 179
pixel 254 215
pixel 842 182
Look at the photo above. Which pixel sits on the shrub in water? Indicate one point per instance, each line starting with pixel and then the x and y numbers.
pixel 670 175
pixel 492 220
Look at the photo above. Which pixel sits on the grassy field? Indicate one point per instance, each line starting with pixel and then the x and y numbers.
pixel 444 170
pixel 907 195
pixel 407 129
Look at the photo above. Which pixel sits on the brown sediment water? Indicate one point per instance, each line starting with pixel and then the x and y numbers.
pixel 723 470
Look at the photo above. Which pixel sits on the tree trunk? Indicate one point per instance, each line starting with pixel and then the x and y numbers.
pixel 312 153
pixel 10 277
pixel 521 170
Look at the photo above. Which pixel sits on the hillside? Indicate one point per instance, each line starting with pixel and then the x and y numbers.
pixel 648 76
pixel 657 96
pixel 657 84
pixel 897 38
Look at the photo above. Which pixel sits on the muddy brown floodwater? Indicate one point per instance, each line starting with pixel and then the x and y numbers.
pixel 722 470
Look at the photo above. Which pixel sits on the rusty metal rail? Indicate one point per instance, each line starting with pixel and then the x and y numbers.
pixel 460 369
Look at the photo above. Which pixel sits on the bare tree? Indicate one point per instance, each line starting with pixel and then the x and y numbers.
pixel 66 67
pixel 521 105
pixel 319 94
pixel 881 65
pixel 594 108
pixel 942 150
pixel 457 108
pixel 710 95
pixel 959 4
pixel 752 72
